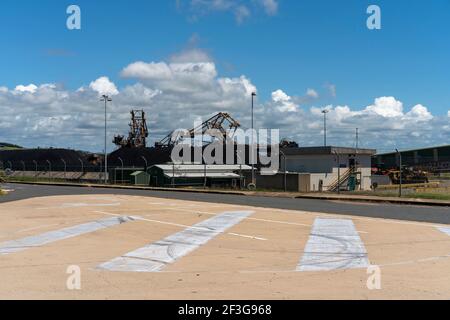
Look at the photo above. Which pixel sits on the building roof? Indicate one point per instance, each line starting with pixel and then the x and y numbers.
pixel 136 173
pixel 201 167
pixel 198 170
pixel 223 175
pixel 330 150
pixel 413 150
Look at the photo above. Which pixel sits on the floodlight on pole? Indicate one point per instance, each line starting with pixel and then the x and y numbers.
pixel 106 99
pixel 325 111
pixel 401 173
pixel 253 142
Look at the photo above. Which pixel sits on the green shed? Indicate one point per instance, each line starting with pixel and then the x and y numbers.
pixel 140 178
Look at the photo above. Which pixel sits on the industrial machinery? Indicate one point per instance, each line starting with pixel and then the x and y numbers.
pixel 221 121
pixel 138 132
pixel 409 176
pixel 285 143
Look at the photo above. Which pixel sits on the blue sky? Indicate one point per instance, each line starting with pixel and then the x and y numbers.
pixel 304 44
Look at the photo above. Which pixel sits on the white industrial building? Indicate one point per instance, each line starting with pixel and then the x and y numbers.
pixel 318 168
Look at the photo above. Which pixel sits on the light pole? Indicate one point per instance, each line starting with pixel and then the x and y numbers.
pixel 106 99
pixel 253 141
pixel 65 168
pixel 339 171
pixel 121 172
pixel 325 126
pixel 401 173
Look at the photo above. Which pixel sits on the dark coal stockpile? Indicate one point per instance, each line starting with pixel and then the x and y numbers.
pixel 46 159
pixel 138 157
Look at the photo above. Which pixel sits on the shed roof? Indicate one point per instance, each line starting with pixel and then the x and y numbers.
pixel 136 173
pixel 218 175
pixel 330 150
pixel 201 171
pixel 201 167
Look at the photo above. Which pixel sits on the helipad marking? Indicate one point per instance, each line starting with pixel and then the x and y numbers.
pixel 14 246
pixel 154 257
pixel 333 244
pixel 444 230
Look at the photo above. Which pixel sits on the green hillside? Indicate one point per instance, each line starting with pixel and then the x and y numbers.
pixel 9 146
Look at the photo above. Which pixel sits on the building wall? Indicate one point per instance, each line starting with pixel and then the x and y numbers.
pixel 325 167
pixel 308 163
pixel 331 178
pixel 305 182
pixel 322 163
pixel 430 159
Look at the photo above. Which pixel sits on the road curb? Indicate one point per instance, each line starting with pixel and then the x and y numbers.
pixel 82 185
pixel 422 202
pixel 409 201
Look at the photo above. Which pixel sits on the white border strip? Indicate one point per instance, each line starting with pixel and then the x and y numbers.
pixel 154 257
pixel 333 244
pixel 62 234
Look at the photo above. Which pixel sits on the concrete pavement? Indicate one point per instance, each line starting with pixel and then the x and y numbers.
pixel 266 253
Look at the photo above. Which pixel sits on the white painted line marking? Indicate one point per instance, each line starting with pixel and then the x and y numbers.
pixel 36 228
pixel 245 236
pixel 333 244
pixel 80 205
pixel 62 234
pixel 154 257
pixel 182 225
pixel 254 219
pixel 444 230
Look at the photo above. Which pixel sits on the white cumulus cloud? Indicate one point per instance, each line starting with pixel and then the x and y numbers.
pixel 31 88
pixel 104 86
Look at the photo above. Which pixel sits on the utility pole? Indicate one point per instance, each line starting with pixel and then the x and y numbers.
pixel 357 138
pixel 253 142
pixel 106 99
pixel 325 126
pixel 401 173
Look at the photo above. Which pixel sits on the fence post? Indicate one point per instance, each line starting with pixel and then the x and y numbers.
pixel 35 170
pixel 121 171
pixel 65 169
pixel 49 170
pixel 24 168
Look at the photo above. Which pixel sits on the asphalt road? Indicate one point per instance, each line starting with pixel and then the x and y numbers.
pixel 439 215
